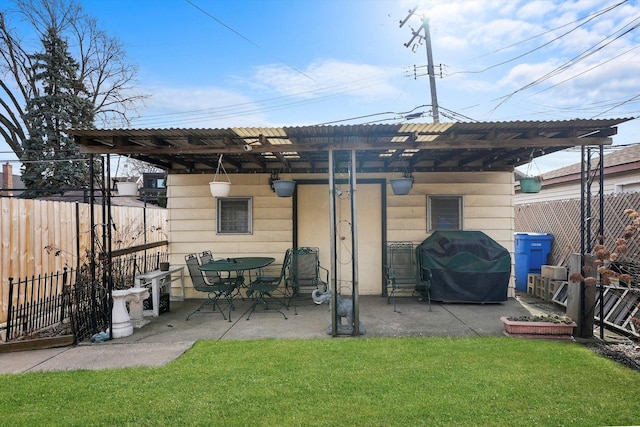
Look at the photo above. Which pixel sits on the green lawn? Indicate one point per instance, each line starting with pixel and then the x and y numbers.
pixel 344 381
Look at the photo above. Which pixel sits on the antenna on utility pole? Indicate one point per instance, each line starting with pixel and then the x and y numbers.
pixel 430 69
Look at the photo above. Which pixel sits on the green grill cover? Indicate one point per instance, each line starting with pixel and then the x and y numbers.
pixel 466 266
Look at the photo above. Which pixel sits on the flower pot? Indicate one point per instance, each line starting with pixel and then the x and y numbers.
pixel 164 266
pixel 219 188
pixel 548 330
pixel 127 188
pixel 530 185
pixel 284 188
pixel 401 186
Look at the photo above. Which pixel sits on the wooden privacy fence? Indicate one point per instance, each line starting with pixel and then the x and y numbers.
pixel 40 237
pixel 562 220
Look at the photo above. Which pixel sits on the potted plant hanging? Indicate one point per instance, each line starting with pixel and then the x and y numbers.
pixel 283 187
pixel 401 186
pixel 220 188
pixel 530 183
pixel 127 188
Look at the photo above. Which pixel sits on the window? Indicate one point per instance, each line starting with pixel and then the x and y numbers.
pixel 444 213
pixel 234 215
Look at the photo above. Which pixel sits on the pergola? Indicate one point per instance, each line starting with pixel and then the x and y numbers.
pixel 417 147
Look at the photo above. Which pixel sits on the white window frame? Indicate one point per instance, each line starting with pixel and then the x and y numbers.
pixel 220 211
pixel 431 198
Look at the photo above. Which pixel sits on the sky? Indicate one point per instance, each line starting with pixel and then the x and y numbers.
pixel 246 63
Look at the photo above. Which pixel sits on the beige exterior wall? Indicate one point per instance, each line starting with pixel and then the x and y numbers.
pixel 487 206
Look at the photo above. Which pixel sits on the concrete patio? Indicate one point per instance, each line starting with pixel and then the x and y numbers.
pixel 169 335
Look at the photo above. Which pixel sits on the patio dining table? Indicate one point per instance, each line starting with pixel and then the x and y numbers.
pixel 238 266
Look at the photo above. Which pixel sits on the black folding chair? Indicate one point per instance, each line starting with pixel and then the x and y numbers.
pixel 265 288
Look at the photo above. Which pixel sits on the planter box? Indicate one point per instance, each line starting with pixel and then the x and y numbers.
pixel 548 330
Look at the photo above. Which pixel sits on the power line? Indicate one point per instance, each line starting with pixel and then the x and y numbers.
pixel 235 110
pixel 555 39
pixel 244 37
pixel 576 59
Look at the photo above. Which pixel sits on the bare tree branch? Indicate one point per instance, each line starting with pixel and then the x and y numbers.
pixel 104 68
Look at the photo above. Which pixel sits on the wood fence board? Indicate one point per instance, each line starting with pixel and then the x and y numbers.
pixel 39 237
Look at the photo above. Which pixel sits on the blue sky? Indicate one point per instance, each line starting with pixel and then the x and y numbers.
pixel 224 63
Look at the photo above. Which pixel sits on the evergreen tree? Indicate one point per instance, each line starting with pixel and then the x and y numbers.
pixel 53 161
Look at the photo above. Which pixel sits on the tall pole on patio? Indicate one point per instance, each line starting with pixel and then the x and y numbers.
pixel 332 245
pixel 354 246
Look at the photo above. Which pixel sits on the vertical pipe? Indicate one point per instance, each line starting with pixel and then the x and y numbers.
pixel 601 233
pixel 92 200
pixel 332 246
pixel 354 246
pixel 10 309
pixel 107 195
pixel 583 187
pixel 589 181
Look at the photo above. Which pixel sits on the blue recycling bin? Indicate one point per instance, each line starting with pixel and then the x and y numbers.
pixel 531 253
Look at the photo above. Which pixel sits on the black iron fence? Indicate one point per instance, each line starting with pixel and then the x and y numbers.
pixel 51 305
pixel 74 302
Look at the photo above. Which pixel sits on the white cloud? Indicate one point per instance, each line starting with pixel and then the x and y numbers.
pixel 198 107
pixel 324 79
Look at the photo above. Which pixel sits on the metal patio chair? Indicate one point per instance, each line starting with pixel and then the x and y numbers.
pixel 214 276
pixel 402 273
pixel 264 289
pixel 306 274
pixel 217 289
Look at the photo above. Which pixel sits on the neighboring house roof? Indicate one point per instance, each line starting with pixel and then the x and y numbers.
pixel 437 147
pixel 621 160
pixel 17 181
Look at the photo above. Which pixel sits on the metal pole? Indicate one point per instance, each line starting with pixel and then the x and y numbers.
pixel 332 246
pixel 106 185
pixel 431 72
pixel 583 187
pixel 92 222
pixel 588 202
pixel 354 246
pixel 601 233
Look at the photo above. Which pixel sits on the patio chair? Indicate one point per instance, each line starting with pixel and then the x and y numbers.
pixel 402 273
pixel 213 276
pixel 306 274
pixel 217 289
pixel 264 288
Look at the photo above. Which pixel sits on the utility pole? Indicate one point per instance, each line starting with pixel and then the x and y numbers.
pixel 430 68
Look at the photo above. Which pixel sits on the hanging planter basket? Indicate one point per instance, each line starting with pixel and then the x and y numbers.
pixel 220 188
pixel 284 188
pixel 401 186
pixel 127 188
pixel 530 185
